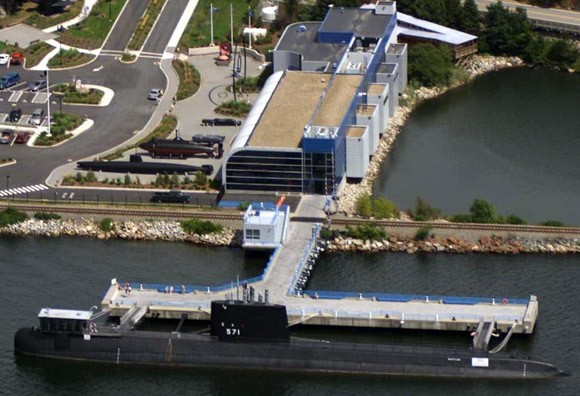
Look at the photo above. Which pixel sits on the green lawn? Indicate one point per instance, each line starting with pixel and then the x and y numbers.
pixel 36 52
pixel 68 58
pixel 189 79
pixel 93 96
pixel 92 31
pixel 198 32
pixel 62 124
pixel 40 21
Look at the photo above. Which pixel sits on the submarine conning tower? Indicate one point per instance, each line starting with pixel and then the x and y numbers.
pixel 239 321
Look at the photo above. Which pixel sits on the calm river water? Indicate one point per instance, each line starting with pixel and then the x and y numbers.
pixel 510 137
pixel 75 273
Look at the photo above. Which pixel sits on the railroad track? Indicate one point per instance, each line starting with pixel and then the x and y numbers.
pixel 531 229
pixel 183 214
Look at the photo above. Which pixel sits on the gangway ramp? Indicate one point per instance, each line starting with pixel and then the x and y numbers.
pixel 483 334
pixel 132 316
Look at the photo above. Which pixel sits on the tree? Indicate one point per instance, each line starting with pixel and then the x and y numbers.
pixel 562 54
pixel 482 212
pixel 431 10
pixel 430 65
pixel 471 19
pixel 454 13
pixel 536 51
pixel 507 33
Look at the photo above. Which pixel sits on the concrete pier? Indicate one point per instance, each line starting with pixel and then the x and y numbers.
pixel 332 308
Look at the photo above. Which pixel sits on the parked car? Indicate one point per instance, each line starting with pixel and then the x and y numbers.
pixel 36 86
pixel 22 137
pixel 17 58
pixel 9 79
pixel 220 122
pixel 15 115
pixel 173 196
pixel 4 59
pixel 155 94
pixel 6 136
pixel 37 117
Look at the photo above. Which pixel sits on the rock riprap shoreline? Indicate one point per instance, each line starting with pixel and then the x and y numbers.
pixel 477 65
pixel 170 231
pixel 485 244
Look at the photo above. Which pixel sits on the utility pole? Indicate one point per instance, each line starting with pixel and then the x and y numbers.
pixel 250 15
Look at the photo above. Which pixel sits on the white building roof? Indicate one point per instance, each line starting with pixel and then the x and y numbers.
pixel 64 314
pixel 431 30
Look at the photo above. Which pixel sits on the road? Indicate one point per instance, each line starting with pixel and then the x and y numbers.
pixel 551 18
pixel 128 112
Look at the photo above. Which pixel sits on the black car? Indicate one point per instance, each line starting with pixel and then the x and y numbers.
pixel 220 122
pixel 173 196
pixel 15 115
pixel 208 140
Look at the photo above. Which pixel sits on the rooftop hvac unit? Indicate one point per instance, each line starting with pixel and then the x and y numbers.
pixel 353 68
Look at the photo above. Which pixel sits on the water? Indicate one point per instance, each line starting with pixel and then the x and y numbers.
pixel 75 273
pixel 511 138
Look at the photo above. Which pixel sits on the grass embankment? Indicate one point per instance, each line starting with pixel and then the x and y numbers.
pixel 92 31
pixel 198 30
pixel 189 79
pixel 62 123
pixel 28 14
pixel 145 24
pixel 234 108
pixel 165 181
pixel 71 95
pixel 69 58
pixel 163 130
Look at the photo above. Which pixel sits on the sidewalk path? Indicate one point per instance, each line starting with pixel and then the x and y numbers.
pixel 89 4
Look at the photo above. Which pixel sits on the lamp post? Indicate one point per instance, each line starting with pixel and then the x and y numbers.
pixel 60 52
pixel 110 12
pixel 48 100
pixel 250 15
pixel 7 187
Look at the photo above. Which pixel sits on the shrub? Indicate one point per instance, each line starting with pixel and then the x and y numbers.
pixel 326 233
pixel 424 211
pixel 366 231
pixel 461 218
pixel 364 206
pixel 384 209
pixel 422 233
pixel 106 224
pixel 552 223
pixel 244 205
pixel 513 219
pixel 11 216
pixel 200 227
pixel 46 216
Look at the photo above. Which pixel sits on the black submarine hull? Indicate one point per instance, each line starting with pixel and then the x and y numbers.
pixel 151 168
pixel 176 349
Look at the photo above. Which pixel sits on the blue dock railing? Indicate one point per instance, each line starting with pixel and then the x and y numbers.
pixel 304 259
pixel 184 289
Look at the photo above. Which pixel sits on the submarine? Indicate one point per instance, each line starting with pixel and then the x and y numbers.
pixel 179 148
pixel 138 166
pixel 252 335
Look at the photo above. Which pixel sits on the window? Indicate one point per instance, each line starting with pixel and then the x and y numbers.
pixel 252 234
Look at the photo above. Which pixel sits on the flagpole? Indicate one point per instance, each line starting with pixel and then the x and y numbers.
pixel 232 22
pixel 211 44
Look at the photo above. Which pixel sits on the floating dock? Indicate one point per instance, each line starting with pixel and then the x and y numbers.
pixel 279 282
